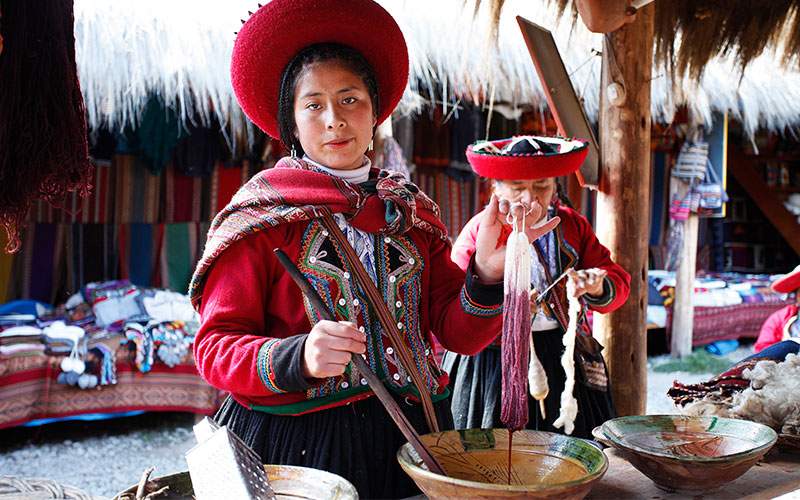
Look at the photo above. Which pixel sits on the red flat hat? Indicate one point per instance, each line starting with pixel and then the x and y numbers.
pixel 788 283
pixel 278 30
pixel 518 158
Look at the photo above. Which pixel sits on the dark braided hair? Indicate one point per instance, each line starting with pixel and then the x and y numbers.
pixel 319 52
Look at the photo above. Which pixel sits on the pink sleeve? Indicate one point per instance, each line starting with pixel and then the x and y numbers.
pixel 464 246
pixel 771 331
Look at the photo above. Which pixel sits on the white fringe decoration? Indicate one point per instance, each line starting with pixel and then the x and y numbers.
pixel 180 50
pixel 569 405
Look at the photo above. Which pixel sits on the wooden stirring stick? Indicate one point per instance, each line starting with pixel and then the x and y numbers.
pixel 374 383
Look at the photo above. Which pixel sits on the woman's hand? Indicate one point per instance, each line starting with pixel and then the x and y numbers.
pixel 532 296
pixel 490 254
pixel 588 281
pixel 329 347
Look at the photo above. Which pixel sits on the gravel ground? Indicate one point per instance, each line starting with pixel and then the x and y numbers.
pixel 105 457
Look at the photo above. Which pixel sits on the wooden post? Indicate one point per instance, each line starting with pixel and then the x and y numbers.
pixel 683 309
pixel 623 204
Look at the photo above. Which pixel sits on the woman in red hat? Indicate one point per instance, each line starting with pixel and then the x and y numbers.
pixel 525 171
pixel 321 74
pixel 782 324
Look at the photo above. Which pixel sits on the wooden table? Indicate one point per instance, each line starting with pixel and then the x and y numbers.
pixel 777 474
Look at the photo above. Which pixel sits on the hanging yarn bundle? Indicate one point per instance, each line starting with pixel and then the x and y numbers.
pixel 43 151
pixel 516 329
pixel 569 405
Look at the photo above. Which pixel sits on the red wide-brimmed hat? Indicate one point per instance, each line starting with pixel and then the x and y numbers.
pixel 527 157
pixel 278 30
pixel 787 283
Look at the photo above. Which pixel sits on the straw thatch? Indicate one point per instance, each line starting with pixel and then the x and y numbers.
pixel 690 33
pixel 180 50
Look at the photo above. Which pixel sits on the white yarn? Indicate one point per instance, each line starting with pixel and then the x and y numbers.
pixel 537 380
pixel 569 405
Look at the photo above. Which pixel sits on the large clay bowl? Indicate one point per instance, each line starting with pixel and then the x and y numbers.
pixel 543 465
pixel 691 455
pixel 287 481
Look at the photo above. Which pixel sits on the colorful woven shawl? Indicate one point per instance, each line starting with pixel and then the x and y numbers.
pixel 294 190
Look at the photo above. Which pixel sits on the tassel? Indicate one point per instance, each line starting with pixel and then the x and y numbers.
pixel 516 331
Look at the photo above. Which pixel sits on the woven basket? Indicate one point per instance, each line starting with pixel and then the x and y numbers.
pixel 18 488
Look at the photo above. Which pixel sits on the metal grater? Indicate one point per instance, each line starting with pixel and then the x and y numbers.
pixel 222 466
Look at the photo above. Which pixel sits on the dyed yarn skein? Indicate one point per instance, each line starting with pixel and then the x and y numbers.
pixel 515 354
pixel 569 405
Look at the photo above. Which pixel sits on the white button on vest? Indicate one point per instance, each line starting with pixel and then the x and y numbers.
pixel 396 376
pixel 398 304
pixel 363 381
pixel 392 279
pixel 411 261
pixel 387 240
pixel 346 276
pixel 389 350
pixel 399 325
pixel 345 385
pixel 342 302
pixel 312 259
pixel 324 233
pixel 356 302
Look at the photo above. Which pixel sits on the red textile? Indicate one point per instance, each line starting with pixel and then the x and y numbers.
pixel 773 328
pixel 577 232
pixel 249 299
pixel 29 390
pixel 278 30
pixel 712 324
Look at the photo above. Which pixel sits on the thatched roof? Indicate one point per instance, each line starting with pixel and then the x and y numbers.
pixel 690 33
pixel 180 50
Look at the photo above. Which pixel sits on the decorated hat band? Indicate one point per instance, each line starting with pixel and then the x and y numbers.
pixel 787 283
pixel 527 157
pixel 281 28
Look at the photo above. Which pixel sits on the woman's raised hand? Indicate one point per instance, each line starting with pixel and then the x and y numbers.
pixel 329 347
pixel 588 281
pixel 490 242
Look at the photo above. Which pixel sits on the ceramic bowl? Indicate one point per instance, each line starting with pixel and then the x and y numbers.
pixel 691 455
pixel 287 481
pixel 543 465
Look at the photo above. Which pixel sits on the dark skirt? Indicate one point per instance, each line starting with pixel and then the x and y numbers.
pixel 358 441
pixel 476 384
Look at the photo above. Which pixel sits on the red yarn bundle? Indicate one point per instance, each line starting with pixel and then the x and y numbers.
pixel 515 351
pixel 43 150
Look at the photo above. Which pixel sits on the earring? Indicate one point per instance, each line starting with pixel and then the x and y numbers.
pixel 294 153
pixel 369 148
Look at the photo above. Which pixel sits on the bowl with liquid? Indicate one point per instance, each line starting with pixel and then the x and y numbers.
pixel 485 463
pixel 691 455
pixel 287 482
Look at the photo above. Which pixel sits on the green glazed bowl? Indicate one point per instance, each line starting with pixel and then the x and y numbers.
pixel 692 455
pixel 543 465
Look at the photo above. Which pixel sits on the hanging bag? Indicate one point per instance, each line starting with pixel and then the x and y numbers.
pixel 712 195
pixel 692 159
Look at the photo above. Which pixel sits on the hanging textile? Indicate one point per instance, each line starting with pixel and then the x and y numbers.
pixel 44 154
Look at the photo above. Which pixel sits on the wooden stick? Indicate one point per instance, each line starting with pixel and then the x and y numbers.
pixel 374 383
pixel 386 319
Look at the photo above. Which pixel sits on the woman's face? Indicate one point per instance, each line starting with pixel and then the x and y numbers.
pixel 333 115
pixel 527 191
